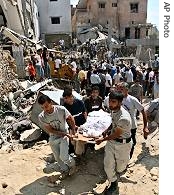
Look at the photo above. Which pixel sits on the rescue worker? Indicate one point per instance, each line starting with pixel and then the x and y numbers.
pixel 118 144
pixel 53 119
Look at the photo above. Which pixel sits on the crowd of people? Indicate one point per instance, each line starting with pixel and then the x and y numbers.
pixel 115 86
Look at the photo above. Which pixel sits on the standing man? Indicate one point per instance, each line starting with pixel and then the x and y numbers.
pixel 39 65
pixel 131 104
pixel 95 79
pixel 118 145
pixel 54 120
pixel 46 64
pixel 108 82
pixel 136 90
pixel 94 101
pixel 77 109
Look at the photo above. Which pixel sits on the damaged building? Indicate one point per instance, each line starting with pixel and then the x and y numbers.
pixel 125 19
pixel 55 21
pixel 18 21
pixel 26 17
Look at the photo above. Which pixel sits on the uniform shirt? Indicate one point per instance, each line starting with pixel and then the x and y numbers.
pixel 131 104
pixel 122 119
pixel 77 110
pixel 136 90
pixel 57 119
pixel 93 104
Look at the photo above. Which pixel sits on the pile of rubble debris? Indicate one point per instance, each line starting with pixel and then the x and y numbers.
pixel 16 100
pixel 7 73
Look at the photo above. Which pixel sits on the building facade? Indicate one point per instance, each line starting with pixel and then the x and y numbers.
pixel 20 16
pixel 55 20
pixel 126 18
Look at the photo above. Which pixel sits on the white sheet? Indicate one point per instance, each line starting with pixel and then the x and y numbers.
pixel 97 122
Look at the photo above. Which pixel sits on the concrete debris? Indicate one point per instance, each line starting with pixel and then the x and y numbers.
pixel 30 135
pixel 22 125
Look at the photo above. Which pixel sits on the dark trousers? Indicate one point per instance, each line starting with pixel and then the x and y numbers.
pixel 133 136
pixel 107 90
pixel 71 148
pixel 102 90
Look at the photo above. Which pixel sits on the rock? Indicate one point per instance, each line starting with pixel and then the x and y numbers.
pixel 53 178
pixel 22 125
pixel 39 168
pixel 4 184
pixel 17 94
pixel 154 171
pixel 7 148
pixel 25 84
pixel 50 158
pixel 154 178
pixel 10 96
pixel 10 119
pixel 62 191
pixel 30 135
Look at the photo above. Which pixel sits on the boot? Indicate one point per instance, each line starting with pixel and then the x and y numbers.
pixel 113 189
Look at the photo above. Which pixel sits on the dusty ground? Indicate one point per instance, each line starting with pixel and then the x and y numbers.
pixel 21 171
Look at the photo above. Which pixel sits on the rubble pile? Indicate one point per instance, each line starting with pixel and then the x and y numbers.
pixel 7 73
pixel 16 128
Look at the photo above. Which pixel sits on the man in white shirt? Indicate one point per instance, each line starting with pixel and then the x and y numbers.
pixel 74 65
pixel 39 65
pixel 95 79
pixel 108 82
pixel 131 104
pixel 117 76
pixel 57 63
pixel 54 119
pixel 129 76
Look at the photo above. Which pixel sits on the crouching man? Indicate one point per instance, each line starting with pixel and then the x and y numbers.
pixel 118 147
pixel 53 118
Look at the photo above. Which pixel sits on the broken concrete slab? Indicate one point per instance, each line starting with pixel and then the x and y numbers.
pixel 30 135
pixel 26 84
pixel 22 125
pixel 39 85
pixel 17 94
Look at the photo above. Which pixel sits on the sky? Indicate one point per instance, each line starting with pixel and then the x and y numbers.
pixel 152 11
